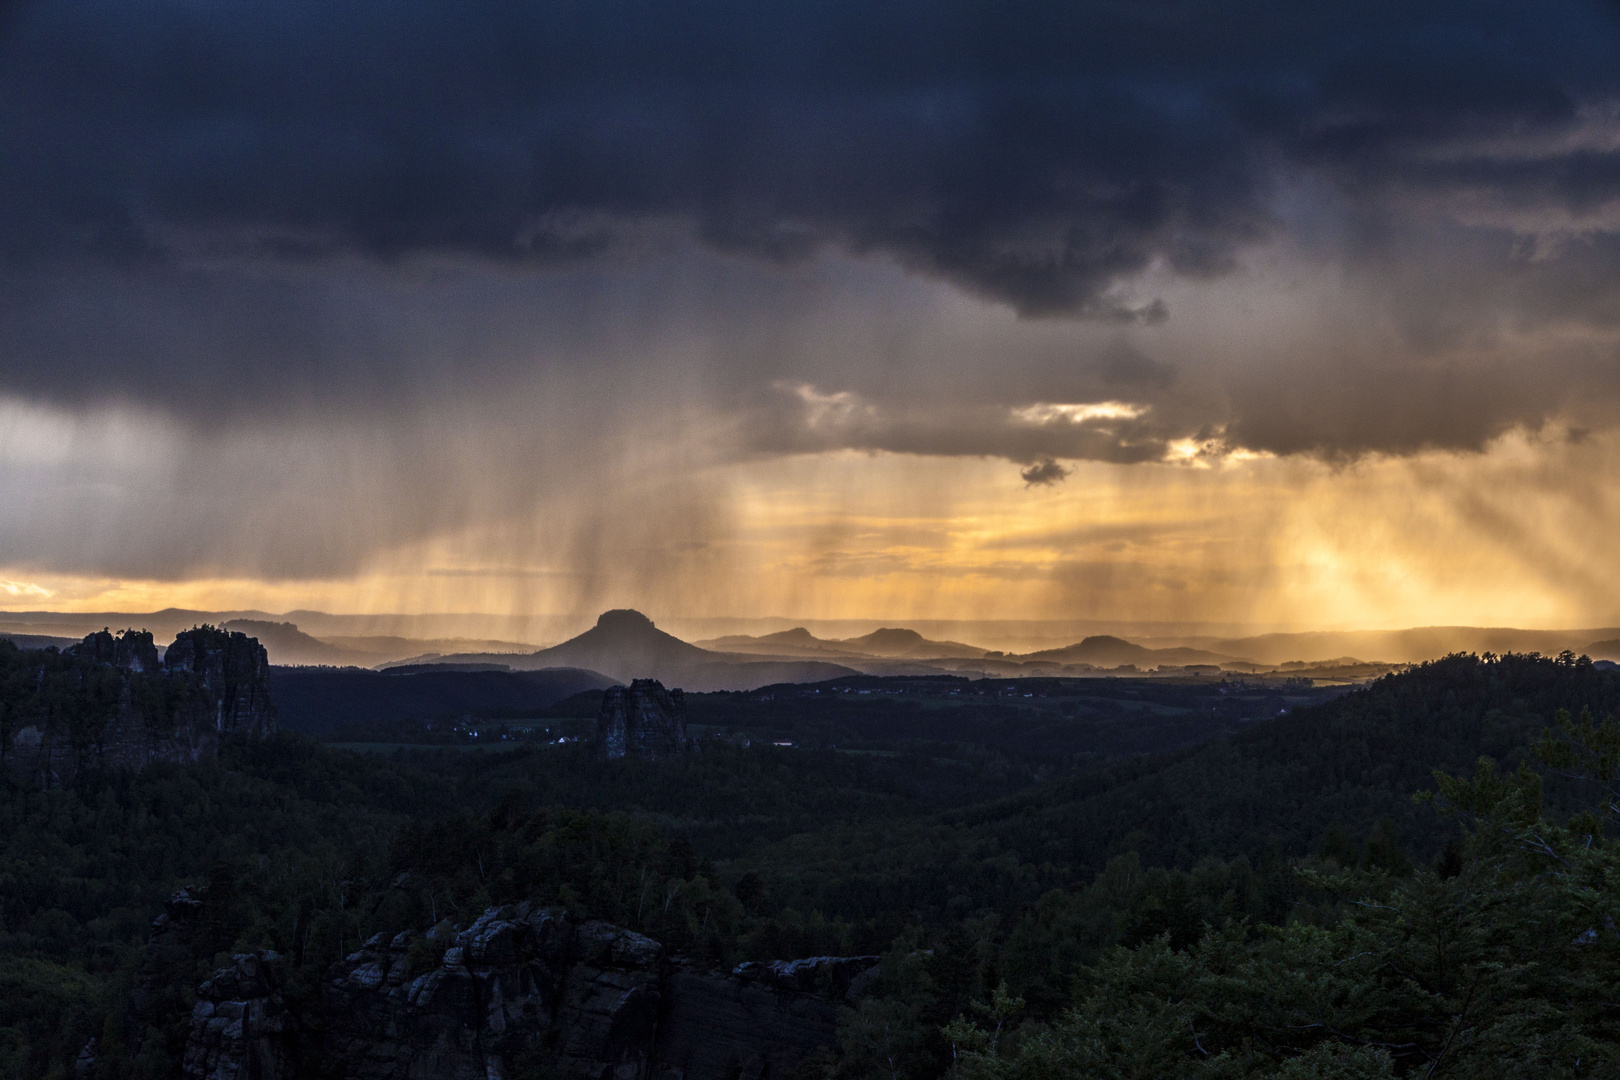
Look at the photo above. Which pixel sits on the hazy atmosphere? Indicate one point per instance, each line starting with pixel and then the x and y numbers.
pixel 1272 316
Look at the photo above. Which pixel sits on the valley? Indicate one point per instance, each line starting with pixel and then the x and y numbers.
pixel 953 838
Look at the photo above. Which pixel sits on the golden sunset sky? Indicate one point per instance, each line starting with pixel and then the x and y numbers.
pixel 1108 314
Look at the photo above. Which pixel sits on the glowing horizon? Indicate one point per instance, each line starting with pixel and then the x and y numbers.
pixel 1016 312
pixel 1259 543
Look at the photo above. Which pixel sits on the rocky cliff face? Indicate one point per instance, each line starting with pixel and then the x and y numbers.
pixel 110 701
pixel 231 674
pixel 129 650
pixel 241 1027
pixel 522 991
pixel 642 720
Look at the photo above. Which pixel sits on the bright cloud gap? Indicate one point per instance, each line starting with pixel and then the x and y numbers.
pixel 1045 412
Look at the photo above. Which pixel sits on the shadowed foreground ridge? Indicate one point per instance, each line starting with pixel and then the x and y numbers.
pixel 521 991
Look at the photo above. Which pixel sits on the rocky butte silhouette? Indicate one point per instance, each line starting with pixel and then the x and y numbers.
pixel 625 644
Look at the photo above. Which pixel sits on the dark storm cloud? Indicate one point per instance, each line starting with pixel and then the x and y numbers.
pixel 202 205
pixel 1123 365
pixel 939 135
pixel 1043 473
pixel 1031 152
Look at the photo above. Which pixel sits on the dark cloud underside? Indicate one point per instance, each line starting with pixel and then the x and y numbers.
pixel 1032 152
pixel 193 160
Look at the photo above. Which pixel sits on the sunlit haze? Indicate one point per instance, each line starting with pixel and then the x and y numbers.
pixel 726 322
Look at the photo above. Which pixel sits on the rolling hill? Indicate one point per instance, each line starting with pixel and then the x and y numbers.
pixel 1106 651
pixel 888 642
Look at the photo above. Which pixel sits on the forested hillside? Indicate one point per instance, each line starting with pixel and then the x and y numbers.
pixel 322 700
pixel 1048 898
pixel 1271 790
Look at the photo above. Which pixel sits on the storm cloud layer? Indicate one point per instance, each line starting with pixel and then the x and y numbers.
pixel 1032 152
pixel 410 269
pixel 219 165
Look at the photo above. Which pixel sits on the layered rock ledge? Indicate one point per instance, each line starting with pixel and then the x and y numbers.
pixel 522 991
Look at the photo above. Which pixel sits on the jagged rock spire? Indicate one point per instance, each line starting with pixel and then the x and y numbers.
pixel 642 720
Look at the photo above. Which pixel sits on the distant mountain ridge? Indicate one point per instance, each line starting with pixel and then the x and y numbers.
pixel 900 642
pixel 287 644
pixel 625 645
pixel 892 642
pixel 299 637
pixel 39 641
pixel 1105 650
pixel 1409 646
pixel 1099 651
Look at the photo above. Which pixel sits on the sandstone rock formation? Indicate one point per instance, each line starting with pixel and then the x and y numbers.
pixel 522 991
pixel 110 702
pixel 131 650
pixel 240 1026
pixel 231 671
pixel 168 963
pixel 760 1021
pixel 642 721
pixel 517 987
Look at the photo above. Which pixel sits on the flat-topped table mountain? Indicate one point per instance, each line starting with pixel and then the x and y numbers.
pixel 625 645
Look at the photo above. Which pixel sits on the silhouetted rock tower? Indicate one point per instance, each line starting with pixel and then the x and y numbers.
pixel 232 671
pixel 643 721
pixel 131 650
pixel 111 702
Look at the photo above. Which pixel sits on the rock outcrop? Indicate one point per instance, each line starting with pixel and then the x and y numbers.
pixel 130 650
pixel 231 673
pixel 109 701
pixel 241 1028
pixel 522 991
pixel 516 988
pixel 642 721
pixel 760 1021
pixel 168 964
